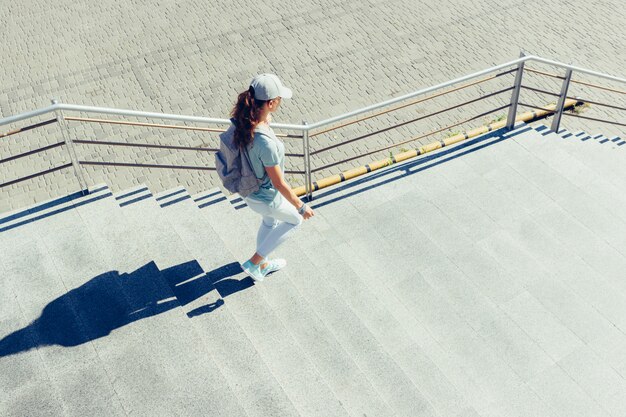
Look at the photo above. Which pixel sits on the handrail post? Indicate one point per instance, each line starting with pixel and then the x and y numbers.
pixel 307 162
pixel 562 97
pixel 71 150
pixel 510 120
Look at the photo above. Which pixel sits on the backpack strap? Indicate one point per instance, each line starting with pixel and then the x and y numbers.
pixel 244 150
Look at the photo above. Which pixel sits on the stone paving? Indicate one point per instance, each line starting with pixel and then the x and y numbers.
pixel 192 57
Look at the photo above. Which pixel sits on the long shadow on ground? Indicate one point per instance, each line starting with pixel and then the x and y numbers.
pixel 111 300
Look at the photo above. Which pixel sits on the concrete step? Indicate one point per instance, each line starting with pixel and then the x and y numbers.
pixel 356 314
pixel 480 166
pixel 263 345
pixel 284 294
pixel 317 280
pixel 139 353
pixel 613 142
pixel 51 208
pixel 569 272
pixel 582 141
pixel 580 138
pixel 391 182
pixel 406 329
pixel 597 202
pixel 601 168
pixel 573 189
pixel 567 170
pixel 428 299
pixel 532 162
pixel 111 304
pixel 607 160
pixel 172 196
pixel 294 294
pixel 179 268
pixel 132 195
pixel 104 323
pixel 606 164
pixel 46 353
pixel 564 275
pixel 209 197
pixel 398 263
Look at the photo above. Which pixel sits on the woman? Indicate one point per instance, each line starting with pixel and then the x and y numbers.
pixel 275 201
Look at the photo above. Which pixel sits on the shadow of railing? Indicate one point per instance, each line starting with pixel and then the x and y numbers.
pixel 112 300
pixel 386 176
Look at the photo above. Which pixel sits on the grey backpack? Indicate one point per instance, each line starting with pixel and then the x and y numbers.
pixel 234 170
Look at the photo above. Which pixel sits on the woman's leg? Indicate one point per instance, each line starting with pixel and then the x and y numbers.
pixel 288 220
pixel 267 224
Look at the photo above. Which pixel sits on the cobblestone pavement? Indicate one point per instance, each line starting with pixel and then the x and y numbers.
pixel 192 57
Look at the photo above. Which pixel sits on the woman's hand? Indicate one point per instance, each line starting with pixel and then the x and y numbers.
pixel 278 181
pixel 308 213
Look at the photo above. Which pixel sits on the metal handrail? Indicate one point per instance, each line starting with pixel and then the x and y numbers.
pixel 538 90
pixel 595 103
pixel 443 93
pixel 28 115
pixel 575 68
pixel 306 129
pixel 150 145
pixel 161 126
pixel 547 74
pixel 32 152
pixel 155 125
pixel 129 113
pixel 596 120
pixel 37 174
pixel 416 93
pixel 137 165
pixel 600 87
pixel 164 116
pixel 462 79
pixel 26 128
pixel 411 121
pixel 413 139
pixel 197 119
pixel 536 107
pixel 131 164
pixel 144 145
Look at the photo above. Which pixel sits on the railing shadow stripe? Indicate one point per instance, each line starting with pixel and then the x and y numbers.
pixel 408 166
pixel 52 213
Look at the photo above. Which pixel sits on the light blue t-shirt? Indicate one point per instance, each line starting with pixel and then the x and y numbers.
pixel 266 150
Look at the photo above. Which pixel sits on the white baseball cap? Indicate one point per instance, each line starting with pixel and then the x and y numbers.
pixel 268 86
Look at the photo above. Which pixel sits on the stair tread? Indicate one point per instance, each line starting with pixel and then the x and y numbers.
pixel 250 372
pixel 164 327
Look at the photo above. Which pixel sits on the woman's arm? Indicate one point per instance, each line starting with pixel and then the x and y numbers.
pixel 278 181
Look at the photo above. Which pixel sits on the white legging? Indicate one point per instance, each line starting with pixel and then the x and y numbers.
pixel 280 218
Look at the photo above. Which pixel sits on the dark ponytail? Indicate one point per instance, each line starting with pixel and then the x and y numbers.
pixel 246 114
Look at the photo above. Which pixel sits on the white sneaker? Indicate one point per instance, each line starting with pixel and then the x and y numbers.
pixel 273 266
pixel 253 271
